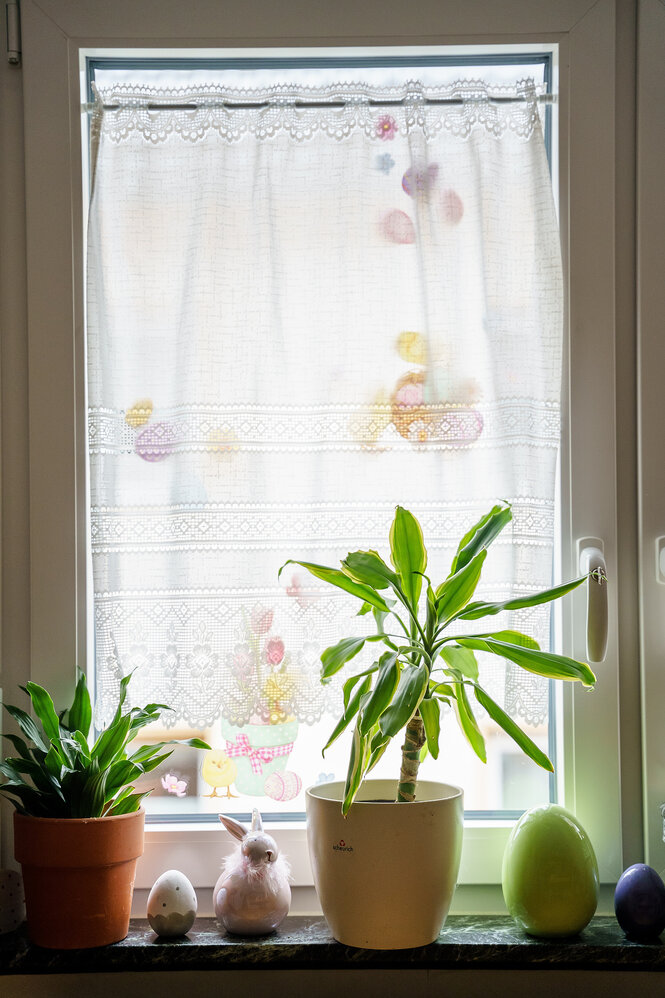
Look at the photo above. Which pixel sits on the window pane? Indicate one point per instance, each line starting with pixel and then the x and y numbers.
pixel 298 320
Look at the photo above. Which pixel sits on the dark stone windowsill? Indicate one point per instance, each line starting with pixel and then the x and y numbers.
pixel 467 942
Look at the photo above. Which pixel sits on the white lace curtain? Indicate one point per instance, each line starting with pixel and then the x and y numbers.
pixel 299 317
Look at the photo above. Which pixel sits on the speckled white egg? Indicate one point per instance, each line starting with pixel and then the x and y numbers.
pixel 172 904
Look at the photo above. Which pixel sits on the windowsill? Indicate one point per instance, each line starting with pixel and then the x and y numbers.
pixel 302 943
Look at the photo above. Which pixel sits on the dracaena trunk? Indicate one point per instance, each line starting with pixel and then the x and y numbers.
pixel 413 742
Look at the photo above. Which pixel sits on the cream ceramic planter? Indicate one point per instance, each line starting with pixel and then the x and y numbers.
pixel 385 875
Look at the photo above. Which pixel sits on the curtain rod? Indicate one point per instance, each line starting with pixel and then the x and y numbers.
pixel 230 105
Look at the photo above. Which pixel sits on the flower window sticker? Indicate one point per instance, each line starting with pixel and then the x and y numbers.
pixel 385 163
pixel 386 128
pixel 172 783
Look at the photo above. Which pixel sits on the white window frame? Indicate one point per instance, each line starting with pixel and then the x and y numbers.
pixel 53 33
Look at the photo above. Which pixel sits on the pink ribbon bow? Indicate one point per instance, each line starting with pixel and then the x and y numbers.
pixel 257 756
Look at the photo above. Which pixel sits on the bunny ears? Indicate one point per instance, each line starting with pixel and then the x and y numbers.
pixel 239 831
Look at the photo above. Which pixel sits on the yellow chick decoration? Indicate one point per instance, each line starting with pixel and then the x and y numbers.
pixel 218 771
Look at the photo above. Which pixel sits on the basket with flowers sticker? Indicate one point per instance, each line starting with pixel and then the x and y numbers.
pixel 264 679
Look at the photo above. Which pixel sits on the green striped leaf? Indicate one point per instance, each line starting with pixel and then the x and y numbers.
pixel 453 594
pixel 44 709
pixel 481 535
pixel 504 721
pixel 110 744
pixel 352 682
pixel 462 660
pixel 410 691
pixel 382 694
pixel 128 804
pixel 350 712
pixel 468 723
pixel 408 554
pixel 27 726
pixel 475 610
pixel 335 577
pixel 358 763
pixel 335 657
pixel 80 713
pixel 430 711
pixel 541 663
pixel 369 568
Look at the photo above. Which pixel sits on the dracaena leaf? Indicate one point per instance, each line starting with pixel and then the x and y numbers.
pixel 27 726
pixel 44 709
pixel 481 535
pixel 381 696
pixel 335 657
pixel 408 554
pixel 127 804
pixel 111 742
pixel 475 610
pixel 80 713
pixel 369 568
pixel 541 663
pixel 430 711
pixel 353 681
pixel 358 762
pixel 461 659
pixel 513 730
pixel 337 578
pixel 468 723
pixel 410 691
pixel 453 594
pixel 350 712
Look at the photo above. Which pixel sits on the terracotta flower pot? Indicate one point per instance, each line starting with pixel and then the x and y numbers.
pixel 78 875
pixel 385 875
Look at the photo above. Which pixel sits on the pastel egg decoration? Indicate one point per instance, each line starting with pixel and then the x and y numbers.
pixel 283 786
pixel 172 905
pixel 155 442
pixel 12 901
pixel 452 207
pixel 639 902
pixel 139 414
pixel 397 227
pixel 418 183
pixel 550 873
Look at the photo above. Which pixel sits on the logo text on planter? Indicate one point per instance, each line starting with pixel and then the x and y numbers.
pixel 341 846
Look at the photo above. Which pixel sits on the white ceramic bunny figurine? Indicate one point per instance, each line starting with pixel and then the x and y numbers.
pixel 252 895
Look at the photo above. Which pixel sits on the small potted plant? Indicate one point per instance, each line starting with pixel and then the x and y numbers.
pixel 78 823
pixel 395 853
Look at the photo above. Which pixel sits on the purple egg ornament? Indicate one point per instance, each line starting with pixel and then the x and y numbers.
pixel 639 902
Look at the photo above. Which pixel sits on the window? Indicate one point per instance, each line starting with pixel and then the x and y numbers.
pixel 300 315
pixel 53 179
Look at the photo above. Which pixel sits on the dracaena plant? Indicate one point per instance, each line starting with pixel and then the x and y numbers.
pixel 63 771
pixel 424 665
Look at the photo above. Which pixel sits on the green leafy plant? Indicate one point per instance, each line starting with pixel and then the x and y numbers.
pixel 423 666
pixel 66 773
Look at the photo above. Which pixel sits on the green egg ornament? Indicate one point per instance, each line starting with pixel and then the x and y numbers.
pixel 550 873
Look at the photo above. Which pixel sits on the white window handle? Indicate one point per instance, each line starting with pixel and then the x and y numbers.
pixel 592 559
